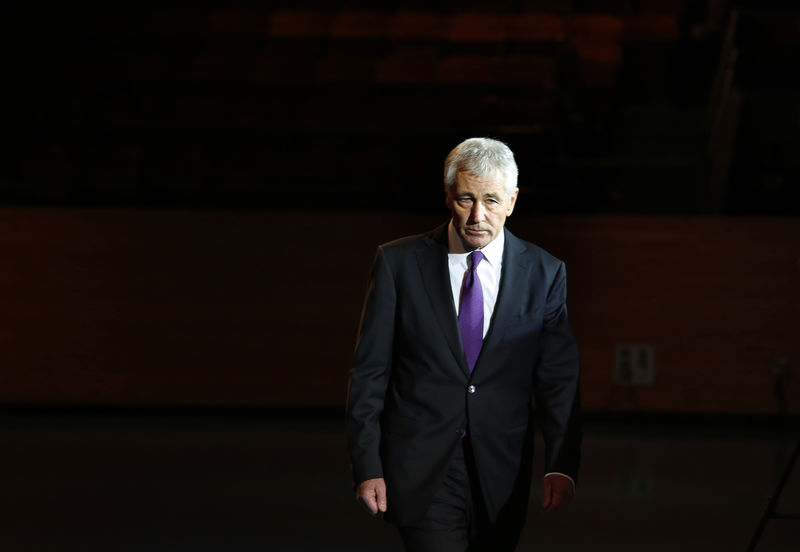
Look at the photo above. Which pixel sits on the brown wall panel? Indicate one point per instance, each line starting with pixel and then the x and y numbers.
pixel 718 299
pixel 258 308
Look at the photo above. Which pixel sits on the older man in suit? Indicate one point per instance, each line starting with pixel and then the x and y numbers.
pixel 461 327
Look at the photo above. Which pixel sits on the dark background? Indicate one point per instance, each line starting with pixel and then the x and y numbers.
pixel 612 106
pixel 191 195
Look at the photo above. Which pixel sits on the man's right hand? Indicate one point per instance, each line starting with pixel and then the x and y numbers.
pixel 372 494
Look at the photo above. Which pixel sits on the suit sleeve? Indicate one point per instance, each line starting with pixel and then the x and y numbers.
pixel 370 372
pixel 557 385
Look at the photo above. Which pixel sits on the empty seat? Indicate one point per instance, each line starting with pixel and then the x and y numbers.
pixel 527 70
pixel 596 37
pixel 652 27
pixel 781 29
pixel 535 27
pixel 417 25
pixel 476 27
pixel 359 24
pixel 299 23
pixel 595 27
pixel 596 41
pixel 347 67
pixel 673 7
pixel 407 66
pixel 561 7
pixel 465 69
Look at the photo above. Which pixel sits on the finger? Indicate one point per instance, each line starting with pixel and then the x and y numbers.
pixel 365 495
pixel 547 495
pixel 380 492
pixel 556 501
pixel 559 499
pixel 368 500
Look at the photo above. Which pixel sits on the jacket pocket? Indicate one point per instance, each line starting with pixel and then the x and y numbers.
pixel 530 317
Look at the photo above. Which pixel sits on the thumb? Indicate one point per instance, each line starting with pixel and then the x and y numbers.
pixel 380 493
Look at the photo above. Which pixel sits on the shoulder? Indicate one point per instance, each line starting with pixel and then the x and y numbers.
pixel 408 245
pixel 403 244
pixel 530 252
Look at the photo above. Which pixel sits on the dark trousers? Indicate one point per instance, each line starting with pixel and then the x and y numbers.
pixel 456 520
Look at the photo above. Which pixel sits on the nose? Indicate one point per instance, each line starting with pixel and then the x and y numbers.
pixel 478 212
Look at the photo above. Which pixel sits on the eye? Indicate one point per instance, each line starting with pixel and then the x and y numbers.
pixel 464 200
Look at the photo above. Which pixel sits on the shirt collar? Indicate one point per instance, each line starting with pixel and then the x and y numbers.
pixel 492 252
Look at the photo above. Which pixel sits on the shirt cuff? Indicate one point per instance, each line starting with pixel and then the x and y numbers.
pixel 562 475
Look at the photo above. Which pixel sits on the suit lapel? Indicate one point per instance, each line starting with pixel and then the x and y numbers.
pixel 512 283
pixel 434 268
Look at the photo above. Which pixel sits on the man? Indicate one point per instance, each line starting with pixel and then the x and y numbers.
pixel 460 327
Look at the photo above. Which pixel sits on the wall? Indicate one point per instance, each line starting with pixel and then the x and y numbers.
pixel 261 308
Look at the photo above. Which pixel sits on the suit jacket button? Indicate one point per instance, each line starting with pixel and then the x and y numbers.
pixel 471 389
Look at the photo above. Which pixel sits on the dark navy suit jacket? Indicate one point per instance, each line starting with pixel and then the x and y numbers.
pixel 411 395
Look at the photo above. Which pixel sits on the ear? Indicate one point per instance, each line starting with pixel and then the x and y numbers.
pixel 448 200
pixel 512 200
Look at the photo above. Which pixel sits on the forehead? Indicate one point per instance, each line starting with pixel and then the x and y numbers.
pixel 467 182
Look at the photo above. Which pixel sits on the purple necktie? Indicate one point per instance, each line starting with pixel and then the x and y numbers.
pixel 470 313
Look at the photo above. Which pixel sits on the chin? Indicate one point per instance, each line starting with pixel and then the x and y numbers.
pixel 477 243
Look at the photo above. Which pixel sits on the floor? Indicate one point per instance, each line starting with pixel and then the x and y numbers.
pixel 139 481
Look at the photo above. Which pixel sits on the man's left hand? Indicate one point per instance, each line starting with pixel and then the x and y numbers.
pixel 557 492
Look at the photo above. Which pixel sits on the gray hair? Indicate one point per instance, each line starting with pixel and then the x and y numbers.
pixel 481 157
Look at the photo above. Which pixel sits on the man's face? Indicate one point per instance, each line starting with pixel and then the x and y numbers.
pixel 479 207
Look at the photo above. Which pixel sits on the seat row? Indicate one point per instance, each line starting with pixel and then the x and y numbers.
pixel 478 27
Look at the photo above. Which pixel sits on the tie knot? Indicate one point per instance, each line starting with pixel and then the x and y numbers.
pixel 475 258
